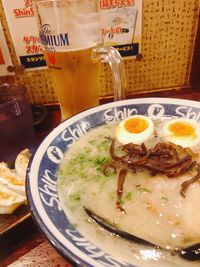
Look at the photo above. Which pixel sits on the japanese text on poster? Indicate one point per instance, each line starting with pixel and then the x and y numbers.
pixel 24 32
pixel 121 23
pixel 5 59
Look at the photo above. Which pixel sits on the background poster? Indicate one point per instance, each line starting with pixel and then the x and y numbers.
pixel 121 23
pixel 24 32
pixel 5 59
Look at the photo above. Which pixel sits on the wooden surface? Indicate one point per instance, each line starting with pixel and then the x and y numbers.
pixel 24 245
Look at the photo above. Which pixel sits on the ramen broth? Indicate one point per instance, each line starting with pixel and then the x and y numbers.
pixel 155 210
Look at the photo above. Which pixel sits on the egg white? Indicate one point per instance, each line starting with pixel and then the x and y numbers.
pixel 184 141
pixel 125 137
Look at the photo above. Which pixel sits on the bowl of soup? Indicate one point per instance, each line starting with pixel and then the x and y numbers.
pixel 118 184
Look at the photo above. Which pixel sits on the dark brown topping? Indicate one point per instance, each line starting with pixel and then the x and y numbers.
pixel 120 185
pixel 164 158
pixel 187 183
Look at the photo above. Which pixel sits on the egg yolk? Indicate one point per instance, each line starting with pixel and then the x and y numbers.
pixel 136 125
pixel 182 129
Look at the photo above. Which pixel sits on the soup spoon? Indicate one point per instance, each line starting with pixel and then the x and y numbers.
pixel 191 253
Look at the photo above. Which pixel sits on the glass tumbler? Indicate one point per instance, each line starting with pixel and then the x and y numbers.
pixel 16 122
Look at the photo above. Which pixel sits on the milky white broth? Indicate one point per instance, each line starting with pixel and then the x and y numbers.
pixel 155 210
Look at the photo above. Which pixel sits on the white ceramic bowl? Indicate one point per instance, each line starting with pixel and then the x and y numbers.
pixel 41 177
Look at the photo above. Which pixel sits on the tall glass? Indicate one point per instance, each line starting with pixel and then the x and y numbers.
pixel 16 122
pixel 70 33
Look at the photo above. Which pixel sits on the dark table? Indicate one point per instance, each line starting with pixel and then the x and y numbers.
pixel 25 245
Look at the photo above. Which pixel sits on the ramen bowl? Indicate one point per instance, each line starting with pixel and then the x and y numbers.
pixel 43 198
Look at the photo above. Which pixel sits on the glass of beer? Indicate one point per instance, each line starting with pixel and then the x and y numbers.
pixel 70 33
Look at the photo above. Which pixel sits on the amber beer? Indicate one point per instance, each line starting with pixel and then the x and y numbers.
pixel 76 76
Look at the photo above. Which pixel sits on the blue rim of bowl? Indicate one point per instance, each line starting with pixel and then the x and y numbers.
pixel 67 252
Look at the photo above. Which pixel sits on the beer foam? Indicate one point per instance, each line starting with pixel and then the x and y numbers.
pixel 84 30
pixel 76 27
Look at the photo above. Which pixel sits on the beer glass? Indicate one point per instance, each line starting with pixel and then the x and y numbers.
pixel 70 33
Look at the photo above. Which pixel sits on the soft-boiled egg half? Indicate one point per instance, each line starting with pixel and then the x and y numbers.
pixel 135 129
pixel 183 132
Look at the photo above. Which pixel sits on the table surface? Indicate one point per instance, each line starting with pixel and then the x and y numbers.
pixel 25 245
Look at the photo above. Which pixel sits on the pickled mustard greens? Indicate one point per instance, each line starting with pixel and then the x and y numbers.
pixel 155 209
